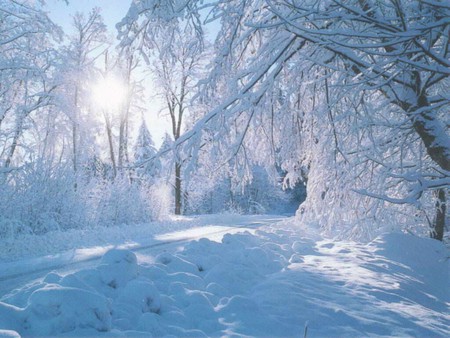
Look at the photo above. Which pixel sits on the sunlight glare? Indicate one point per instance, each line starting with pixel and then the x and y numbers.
pixel 109 93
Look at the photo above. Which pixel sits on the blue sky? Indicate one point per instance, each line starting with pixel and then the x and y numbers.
pixel 112 11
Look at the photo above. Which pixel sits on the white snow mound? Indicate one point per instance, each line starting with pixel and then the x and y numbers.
pixel 275 282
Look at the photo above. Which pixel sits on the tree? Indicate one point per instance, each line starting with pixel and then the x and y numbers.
pixel 175 57
pixel 53 174
pixel 26 58
pixel 128 64
pixel 147 165
pixel 405 57
pixel 86 45
pixel 380 64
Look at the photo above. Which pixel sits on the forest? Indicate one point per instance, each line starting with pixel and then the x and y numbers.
pixel 224 168
pixel 337 110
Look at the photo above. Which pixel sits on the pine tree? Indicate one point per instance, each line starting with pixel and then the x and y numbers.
pixel 167 143
pixel 148 167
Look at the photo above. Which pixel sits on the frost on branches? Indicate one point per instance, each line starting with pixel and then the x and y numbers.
pixel 348 96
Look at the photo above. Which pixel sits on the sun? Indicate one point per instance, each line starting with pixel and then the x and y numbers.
pixel 109 93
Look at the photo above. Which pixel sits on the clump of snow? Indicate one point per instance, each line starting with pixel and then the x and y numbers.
pixel 112 295
pixel 118 267
pixel 137 298
pixel 60 309
pixel 9 334
pixel 10 318
pixel 277 281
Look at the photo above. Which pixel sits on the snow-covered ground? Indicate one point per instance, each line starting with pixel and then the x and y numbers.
pixel 277 280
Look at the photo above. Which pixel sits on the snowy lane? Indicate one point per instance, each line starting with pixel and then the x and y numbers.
pixel 258 278
pixel 17 274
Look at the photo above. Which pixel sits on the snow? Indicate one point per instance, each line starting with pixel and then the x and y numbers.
pixel 277 280
pixel 76 245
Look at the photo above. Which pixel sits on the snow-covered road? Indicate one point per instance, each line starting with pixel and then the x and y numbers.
pixel 21 272
pixel 259 276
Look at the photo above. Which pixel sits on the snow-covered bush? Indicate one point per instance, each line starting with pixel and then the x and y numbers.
pixel 40 199
pixel 160 198
pixel 117 202
pixel 126 202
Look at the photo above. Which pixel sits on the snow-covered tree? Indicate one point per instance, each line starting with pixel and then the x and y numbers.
pixel 349 95
pixel 128 65
pixel 148 166
pixel 166 144
pixel 86 45
pixel 27 56
pixel 175 56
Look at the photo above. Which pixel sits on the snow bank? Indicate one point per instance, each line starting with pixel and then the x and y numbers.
pixel 96 239
pixel 274 282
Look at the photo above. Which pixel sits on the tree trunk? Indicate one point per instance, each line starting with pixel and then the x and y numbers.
pixel 439 221
pixel 185 202
pixel 75 132
pixel 111 146
pixel 437 149
pixel 123 137
pixel 121 145
pixel 437 144
pixel 14 143
pixel 177 188
pixel 431 131
pixel 74 146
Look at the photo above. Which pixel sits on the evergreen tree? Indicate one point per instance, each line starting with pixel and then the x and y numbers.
pixel 167 143
pixel 148 167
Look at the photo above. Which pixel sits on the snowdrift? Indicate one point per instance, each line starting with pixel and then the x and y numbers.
pixel 276 282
